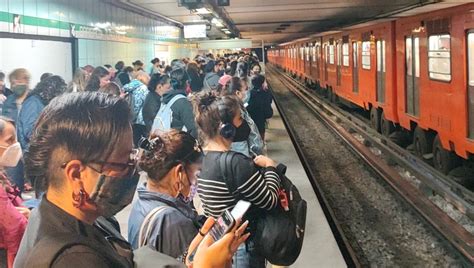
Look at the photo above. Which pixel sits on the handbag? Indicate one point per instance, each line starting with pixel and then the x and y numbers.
pixel 279 233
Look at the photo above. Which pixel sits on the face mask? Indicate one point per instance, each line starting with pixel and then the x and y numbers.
pixel 192 192
pixel 247 97
pixel 19 90
pixel 220 73
pixel 11 155
pixel 242 133
pixel 112 194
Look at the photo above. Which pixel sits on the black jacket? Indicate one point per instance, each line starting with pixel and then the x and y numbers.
pixel 195 81
pixel 260 107
pixel 150 108
pixel 50 222
pixel 182 112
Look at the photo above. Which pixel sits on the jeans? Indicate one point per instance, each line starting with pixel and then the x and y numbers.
pixel 246 256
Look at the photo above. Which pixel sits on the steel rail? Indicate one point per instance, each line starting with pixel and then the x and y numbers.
pixel 458 237
pixel 450 190
pixel 348 253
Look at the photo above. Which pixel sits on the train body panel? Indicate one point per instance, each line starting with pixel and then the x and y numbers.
pixel 418 70
pixel 432 81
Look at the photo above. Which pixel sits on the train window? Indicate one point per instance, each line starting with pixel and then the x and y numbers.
pixel 366 55
pixel 314 53
pixel 470 45
pixel 307 53
pixel 331 54
pixel 381 56
pixel 439 57
pixel 345 54
pixel 409 54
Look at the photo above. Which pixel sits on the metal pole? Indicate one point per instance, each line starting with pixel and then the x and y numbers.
pixel 263 52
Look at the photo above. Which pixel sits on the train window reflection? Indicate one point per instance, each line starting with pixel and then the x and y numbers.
pixel 345 54
pixel 439 57
pixel 366 55
pixel 470 63
pixel 331 54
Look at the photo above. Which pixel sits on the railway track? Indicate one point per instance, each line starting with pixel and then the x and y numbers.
pixel 362 140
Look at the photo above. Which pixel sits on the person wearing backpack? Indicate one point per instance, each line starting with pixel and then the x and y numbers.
pixel 82 157
pixel 138 91
pixel 219 121
pixel 175 111
pixel 163 216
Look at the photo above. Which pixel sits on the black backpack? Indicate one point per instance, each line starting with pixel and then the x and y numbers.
pixel 279 234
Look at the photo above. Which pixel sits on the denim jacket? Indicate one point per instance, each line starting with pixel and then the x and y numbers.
pixel 254 143
pixel 174 228
pixel 29 113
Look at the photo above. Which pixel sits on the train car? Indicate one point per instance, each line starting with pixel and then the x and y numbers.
pixel 435 66
pixel 367 74
pixel 316 61
pixel 330 78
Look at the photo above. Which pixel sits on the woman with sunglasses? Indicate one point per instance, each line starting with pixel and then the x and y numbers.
pixel 171 161
pixel 81 154
pixel 13 217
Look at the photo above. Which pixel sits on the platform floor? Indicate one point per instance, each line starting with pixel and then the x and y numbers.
pixel 319 248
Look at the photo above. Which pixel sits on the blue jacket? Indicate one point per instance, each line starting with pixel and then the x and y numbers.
pixel 174 228
pixel 139 92
pixel 29 113
pixel 9 108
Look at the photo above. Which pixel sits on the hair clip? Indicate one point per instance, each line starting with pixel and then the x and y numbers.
pixel 147 144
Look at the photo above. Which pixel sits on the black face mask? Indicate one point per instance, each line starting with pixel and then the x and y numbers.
pixel 242 133
pixel 221 72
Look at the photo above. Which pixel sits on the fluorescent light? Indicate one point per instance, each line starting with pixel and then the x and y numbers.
pixel 202 10
pixel 217 22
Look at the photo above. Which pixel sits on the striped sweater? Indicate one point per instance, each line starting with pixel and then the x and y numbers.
pixel 259 189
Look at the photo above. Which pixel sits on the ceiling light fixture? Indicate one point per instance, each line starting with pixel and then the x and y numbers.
pixel 201 11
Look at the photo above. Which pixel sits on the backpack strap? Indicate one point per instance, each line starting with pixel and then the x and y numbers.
pixel 51 247
pixel 147 225
pixel 225 164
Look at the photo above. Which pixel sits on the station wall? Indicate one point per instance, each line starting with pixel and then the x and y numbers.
pixel 122 35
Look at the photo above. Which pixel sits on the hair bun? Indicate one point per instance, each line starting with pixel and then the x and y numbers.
pixel 206 101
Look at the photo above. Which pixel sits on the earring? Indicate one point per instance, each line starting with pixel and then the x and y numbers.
pixel 79 199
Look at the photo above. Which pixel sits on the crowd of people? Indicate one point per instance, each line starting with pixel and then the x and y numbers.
pixel 82 145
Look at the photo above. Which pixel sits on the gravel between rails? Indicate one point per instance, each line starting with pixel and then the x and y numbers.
pixel 383 229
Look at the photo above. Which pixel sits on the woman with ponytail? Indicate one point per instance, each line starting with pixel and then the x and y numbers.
pixel 226 176
pixel 175 111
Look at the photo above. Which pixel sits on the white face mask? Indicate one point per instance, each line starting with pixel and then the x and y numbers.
pixel 11 155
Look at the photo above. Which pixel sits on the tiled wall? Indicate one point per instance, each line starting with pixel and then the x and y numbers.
pixel 57 14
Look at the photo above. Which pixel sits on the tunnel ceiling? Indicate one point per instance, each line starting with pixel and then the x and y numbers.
pixel 278 21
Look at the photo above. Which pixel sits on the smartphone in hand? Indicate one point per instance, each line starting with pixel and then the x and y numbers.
pixel 226 222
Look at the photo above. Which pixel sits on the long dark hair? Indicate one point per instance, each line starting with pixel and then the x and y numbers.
pixel 94 80
pixel 84 126
pixel 178 79
pixel 49 88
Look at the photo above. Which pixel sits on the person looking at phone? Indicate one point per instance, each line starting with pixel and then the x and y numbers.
pixel 219 120
pixel 171 161
pixel 82 157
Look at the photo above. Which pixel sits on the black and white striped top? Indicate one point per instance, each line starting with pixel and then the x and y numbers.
pixel 260 190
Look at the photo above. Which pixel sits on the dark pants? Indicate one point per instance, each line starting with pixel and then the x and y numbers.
pixel 138 132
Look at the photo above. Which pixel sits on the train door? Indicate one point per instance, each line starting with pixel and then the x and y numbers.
pixel 355 67
pixel 339 63
pixel 412 90
pixel 317 59
pixel 326 61
pixel 381 71
pixel 470 82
